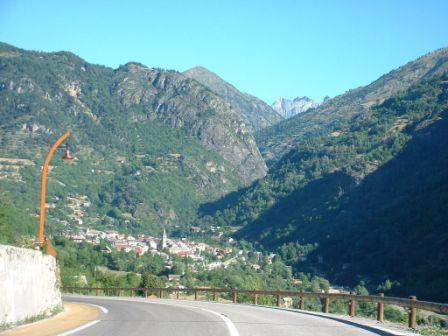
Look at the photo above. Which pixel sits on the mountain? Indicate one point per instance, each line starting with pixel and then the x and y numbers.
pixel 278 139
pixel 289 108
pixel 366 200
pixel 151 145
pixel 256 113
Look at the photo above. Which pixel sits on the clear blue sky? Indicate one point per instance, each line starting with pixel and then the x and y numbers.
pixel 269 48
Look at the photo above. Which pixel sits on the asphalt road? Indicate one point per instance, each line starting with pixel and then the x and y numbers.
pixel 165 317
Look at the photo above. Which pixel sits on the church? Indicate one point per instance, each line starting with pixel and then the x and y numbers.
pixel 164 241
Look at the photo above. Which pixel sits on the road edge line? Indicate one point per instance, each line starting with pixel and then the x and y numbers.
pixel 233 331
pixel 103 309
pixel 230 326
pixel 85 326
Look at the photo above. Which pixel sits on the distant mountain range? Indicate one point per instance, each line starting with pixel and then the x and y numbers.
pixel 288 108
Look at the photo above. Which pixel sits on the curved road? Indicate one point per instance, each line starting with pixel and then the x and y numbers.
pixel 167 317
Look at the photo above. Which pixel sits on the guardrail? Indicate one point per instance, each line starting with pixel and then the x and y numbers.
pixel 411 303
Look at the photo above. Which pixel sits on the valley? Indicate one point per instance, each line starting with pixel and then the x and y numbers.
pixel 357 180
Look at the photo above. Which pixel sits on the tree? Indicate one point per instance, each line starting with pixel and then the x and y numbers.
pixel 151 281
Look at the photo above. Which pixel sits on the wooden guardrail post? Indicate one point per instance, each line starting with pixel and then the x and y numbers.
pixel 352 306
pixel 177 294
pixel 412 304
pixel 413 314
pixel 380 310
pixel 301 302
pixel 215 295
pixel 326 305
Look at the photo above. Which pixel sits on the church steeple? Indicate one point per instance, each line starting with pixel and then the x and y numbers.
pixel 164 242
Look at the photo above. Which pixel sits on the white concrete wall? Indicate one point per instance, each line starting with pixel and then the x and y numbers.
pixel 29 284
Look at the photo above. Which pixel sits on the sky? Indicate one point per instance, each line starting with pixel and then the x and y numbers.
pixel 268 48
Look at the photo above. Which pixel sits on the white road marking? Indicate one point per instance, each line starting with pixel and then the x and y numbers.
pixel 85 326
pixel 230 326
pixel 103 309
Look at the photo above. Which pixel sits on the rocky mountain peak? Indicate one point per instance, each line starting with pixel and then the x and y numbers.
pixel 175 100
pixel 289 108
pixel 132 66
pixel 255 112
pixel 154 142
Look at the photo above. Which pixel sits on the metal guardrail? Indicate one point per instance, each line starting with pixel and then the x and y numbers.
pixel 411 303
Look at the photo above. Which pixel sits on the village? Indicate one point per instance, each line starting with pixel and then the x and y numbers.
pixel 210 257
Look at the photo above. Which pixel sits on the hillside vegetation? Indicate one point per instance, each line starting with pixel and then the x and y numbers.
pixel 151 145
pixel 277 140
pixel 365 201
pixel 357 188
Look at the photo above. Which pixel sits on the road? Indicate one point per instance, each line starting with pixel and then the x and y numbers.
pixel 166 317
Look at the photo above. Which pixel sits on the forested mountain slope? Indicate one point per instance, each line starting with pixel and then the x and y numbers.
pixel 151 145
pixel 367 201
pixel 277 140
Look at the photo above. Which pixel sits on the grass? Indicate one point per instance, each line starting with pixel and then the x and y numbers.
pixel 31 319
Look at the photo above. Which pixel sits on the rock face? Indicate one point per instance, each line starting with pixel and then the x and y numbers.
pixel 180 102
pixel 289 108
pixel 29 282
pixel 146 138
pixel 255 113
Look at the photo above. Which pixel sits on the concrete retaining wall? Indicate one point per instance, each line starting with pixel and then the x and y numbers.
pixel 29 284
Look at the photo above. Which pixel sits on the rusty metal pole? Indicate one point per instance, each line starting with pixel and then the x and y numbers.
pixel 195 295
pixel 277 299
pixel 326 305
pixel 43 190
pixel 301 303
pixel 215 295
pixel 234 297
pixel 413 314
pixel 352 306
pixel 380 309
pixel 160 293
